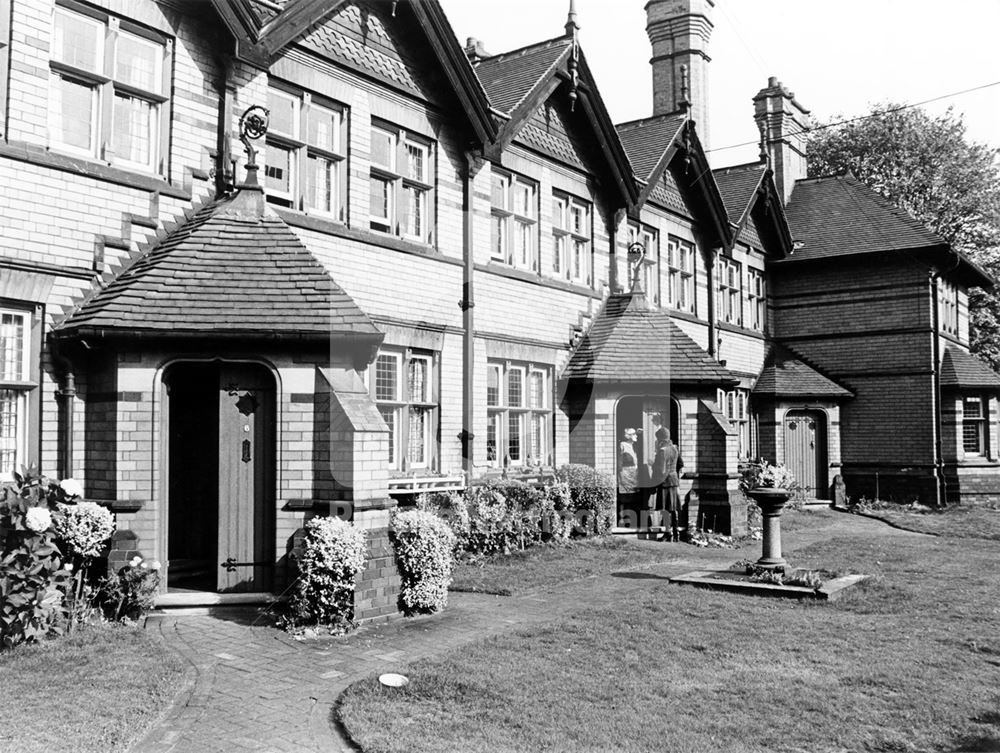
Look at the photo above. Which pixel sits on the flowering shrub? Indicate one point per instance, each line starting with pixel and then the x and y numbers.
pixel 592 498
pixel 85 527
pixel 759 473
pixel 33 578
pixel 424 552
pixel 491 520
pixel 334 555
pixel 129 593
pixel 452 508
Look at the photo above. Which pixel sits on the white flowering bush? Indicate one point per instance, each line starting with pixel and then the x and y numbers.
pixel 425 555
pixel 334 554
pixel 85 527
pixel 33 576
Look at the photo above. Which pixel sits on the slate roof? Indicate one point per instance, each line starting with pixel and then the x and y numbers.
pixel 509 78
pixel 631 341
pixel 738 185
pixel 840 215
pixel 234 269
pixel 961 369
pixel 785 374
pixel 646 140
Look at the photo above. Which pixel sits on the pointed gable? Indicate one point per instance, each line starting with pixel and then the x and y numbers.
pixel 647 140
pixel 738 186
pixel 631 341
pixel 509 78
pixel 235 269
pixel 786 374
pixel 546 97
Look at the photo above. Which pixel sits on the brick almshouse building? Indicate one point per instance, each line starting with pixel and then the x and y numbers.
pixel 431 282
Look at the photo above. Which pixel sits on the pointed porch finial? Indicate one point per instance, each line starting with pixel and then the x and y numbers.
pixel 573 68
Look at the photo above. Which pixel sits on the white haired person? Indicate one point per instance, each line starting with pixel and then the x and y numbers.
pixel 628 468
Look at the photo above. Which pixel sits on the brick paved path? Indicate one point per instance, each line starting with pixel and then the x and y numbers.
pixel 253 688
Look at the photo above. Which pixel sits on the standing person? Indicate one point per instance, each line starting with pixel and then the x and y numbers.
pixel 666 466
pixel 627 470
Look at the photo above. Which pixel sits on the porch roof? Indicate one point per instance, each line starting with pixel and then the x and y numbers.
pixel 631 341
pixel 234 269
pixel 961 369
pixel 785 374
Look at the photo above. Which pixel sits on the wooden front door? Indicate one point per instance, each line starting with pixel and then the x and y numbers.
pixel 805 450
pixel 246 478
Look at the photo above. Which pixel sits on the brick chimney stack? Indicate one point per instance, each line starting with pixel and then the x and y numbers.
pixel 679 31
pixel 784 129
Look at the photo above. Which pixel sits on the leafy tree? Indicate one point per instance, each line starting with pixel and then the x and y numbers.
pixel 927 167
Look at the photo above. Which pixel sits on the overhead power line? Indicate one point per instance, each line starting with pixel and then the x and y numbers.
pixel 870 115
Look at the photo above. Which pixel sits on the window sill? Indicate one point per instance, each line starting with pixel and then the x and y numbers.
pixel 23 386
pixel 93 168
pixel 321 224
pixel 726 327
pixel 513 273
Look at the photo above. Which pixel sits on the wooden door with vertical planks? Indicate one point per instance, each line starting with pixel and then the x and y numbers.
pixel 246 478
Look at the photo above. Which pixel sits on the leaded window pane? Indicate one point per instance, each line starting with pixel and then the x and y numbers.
pixel 77 40
pixel 72 120
pixel 278 171
pixel 137 62
pixel 386 384
pixel 321 183
pixel 12 348
pixel 134 122
pixel 515 388
pixel 417 452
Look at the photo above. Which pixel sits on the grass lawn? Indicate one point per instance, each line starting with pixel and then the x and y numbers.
pixel 909 661
pixel 94 692
pixel 958 521
pixel 549 566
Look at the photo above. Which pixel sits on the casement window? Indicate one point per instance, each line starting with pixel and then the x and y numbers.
pixel 403 386
pixel 514 202
pixel 571 239
pixel 975 414
pixel 651 262
pixel 109 81
pixel 948 307
pixel 15 371
pixel 519 414
pixel 306 148
pixel 735 406
pixel 730 296
pixel 401 184
pixel 680 275
pixel 756 300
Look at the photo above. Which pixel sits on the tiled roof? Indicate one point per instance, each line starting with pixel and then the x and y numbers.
pixel 510 77
pixel 631 341
pixel 738 185
pixel 646 140
pixel 959 368
pixel 786 375
pixel 233 269
pixel 840 215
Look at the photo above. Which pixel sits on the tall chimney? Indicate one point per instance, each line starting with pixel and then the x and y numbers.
pixel 679 31
pixel 784 129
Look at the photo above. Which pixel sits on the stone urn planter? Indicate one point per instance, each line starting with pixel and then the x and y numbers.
pixel 771 501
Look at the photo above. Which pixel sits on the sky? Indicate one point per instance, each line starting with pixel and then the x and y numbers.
pixel 837 57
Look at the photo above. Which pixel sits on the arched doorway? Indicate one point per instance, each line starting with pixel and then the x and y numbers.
pixel 805 450
pixel 645 414
pixel 220 476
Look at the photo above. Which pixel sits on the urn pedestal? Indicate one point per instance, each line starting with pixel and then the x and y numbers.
pixel 771 502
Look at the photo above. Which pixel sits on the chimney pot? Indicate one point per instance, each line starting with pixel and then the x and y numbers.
pixel 784 126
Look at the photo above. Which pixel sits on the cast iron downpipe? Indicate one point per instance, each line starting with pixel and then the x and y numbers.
pixel 66 395
pixel 940 486
pixel 467 304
